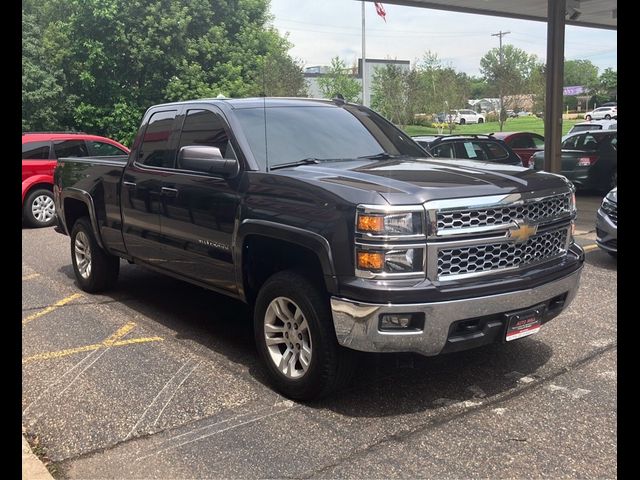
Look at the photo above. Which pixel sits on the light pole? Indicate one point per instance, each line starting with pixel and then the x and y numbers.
pixel 500 34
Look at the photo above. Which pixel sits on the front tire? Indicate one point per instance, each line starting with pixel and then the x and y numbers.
pixel 39 209
pixel 588 118
pixel 462 121
pixel 95 269
pixel 296 340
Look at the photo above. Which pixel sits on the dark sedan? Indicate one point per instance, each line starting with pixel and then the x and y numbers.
pixel 589 159
pixel 525 144
pixel 484 148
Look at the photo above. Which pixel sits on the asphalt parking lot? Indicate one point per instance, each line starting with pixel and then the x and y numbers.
pixel 137 384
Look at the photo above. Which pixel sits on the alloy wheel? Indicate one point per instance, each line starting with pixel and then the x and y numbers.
pixel 287 337
pixel 82 250
pixel 43 208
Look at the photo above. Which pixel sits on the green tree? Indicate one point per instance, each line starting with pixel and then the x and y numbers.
pixel 508 73
pixel 607 87
pixel 443 87
pixel 580 72
pixel 118 57
pixel 41 82
pixel 338 81
pixel 395 93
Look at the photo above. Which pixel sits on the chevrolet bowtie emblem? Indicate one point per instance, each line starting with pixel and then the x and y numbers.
pixel 521 232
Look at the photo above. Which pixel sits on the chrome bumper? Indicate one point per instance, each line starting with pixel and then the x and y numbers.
pixel 356 323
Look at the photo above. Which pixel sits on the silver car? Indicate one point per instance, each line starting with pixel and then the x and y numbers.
pixel 607 223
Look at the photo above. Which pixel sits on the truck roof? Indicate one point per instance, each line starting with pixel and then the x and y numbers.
pixel 254 102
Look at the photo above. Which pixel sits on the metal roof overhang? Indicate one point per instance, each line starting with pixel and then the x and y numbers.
pixel 592 13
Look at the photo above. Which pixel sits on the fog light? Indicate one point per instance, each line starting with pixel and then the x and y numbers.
pixel 402 321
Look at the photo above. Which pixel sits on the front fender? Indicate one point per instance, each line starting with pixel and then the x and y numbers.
pixel 34 180
pixel 305 238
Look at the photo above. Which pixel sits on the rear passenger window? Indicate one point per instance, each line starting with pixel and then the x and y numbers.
pixel 102 149
pixel 521 141
pixel 35 150
pixel 156 150
pixel 70 148
pixel 443 151
pixel 495 151
pixel 203 127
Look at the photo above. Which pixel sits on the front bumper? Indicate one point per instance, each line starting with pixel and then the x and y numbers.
pixel 357 324
pixel 606 232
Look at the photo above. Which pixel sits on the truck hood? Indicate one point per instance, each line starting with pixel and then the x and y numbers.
pixel 405 180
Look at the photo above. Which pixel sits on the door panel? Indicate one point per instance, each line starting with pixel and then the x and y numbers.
pixel 141 188
pixel 199 210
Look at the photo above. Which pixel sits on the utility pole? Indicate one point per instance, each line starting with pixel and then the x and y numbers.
pixel 500 34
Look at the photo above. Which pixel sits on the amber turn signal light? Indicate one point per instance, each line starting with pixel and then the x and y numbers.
pixel 370 260
pixel 370 223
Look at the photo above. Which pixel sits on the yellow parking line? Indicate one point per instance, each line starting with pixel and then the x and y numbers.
pixel 30 276
pixel 111 341
pixel 50 309
pixel 121 332
pixel 591 246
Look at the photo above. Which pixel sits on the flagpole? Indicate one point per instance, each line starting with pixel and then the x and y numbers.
pixel 364 56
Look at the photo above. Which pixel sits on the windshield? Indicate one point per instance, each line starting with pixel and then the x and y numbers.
pixel 321 132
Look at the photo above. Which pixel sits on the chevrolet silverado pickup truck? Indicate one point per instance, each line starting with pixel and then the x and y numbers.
pixel 332 224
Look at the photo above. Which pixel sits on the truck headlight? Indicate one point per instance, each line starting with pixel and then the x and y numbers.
pixel 389 224
pixel 399 261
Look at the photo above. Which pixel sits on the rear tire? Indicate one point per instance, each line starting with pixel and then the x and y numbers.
pixel 39 210
pixel 480 120
pixel 607 117
pixel 95 269
pixel 303 359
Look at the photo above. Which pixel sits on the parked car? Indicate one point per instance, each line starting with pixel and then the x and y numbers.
pixel 331 226
pixel 39 153
pixel 600 113
pixel 589 159
pixel 607 223
pixel 592 125
pixel 466 116
pixel 524 144
pixel 485 148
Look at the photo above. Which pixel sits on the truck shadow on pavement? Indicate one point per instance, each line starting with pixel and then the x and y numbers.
pixel 384 384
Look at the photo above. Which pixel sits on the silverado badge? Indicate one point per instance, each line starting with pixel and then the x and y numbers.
pixel 521 232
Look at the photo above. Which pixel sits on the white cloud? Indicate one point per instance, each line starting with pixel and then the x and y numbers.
pixel 322 29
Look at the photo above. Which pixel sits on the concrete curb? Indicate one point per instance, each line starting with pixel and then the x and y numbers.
pixel 32 467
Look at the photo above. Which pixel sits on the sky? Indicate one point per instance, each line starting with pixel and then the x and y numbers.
pixel 323 29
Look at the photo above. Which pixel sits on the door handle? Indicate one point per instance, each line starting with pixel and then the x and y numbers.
pixel 169 192
pixel 129 184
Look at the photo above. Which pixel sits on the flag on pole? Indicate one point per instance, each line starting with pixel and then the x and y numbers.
pixel 380 11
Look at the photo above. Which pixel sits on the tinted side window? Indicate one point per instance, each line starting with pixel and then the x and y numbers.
pixel 587 142
pixel 495 151
pixel 155 149
pixel 103 149
pixel 443 151
pixel 538 142
pixel 70 148
pixel 470 150
pixel 570 143
pixel 35 150
pixel 202 127
pixel 521 141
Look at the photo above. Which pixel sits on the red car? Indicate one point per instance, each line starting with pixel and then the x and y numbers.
pixel 39 155
pixel 524 144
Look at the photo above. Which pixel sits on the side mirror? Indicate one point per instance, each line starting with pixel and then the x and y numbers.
pixel 206 159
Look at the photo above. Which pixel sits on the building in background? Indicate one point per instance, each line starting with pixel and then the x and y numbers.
pixel 313 72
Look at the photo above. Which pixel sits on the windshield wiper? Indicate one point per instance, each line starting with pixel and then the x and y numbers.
pixel 379 156
pixel 304 161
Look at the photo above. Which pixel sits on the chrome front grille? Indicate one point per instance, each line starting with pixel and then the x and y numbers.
pixel 488 257
pixel 547 208
pixel 470 237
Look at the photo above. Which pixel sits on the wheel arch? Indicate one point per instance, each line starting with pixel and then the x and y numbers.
pixel 267 247
pixel 77 203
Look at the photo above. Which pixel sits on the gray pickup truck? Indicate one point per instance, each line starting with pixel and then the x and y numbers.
pixel 332 224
